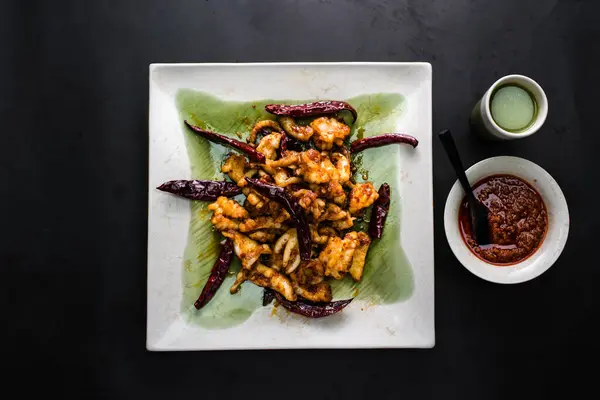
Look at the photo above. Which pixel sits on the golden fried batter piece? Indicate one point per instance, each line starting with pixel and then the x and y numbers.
pixel 225 213
pixel 286 252
pixel 261 125
pixel 290 158
pixel 281 176
pixel 228 207
pixel 331 190
pixel 362 196
pixel 327 231
pixel 235 166
pixel 255 200
pixel 337 255
pixel 302 133
pixel 240 278
pixel 264 207
pixel 309 273
pixel 333 212
pixel 250 225
pixel 310 202
pixel 268 277
pixel 328 132
pixel 247 250
pixel 336 192
pixel 360 254
pixel 322 234
pixel 316 237
pixel 317 293
pixel 269 144
pixel 317 168
pixel 305 197
pixel 342 163
pixel 262 236
pixel 343 224
pixel 222 223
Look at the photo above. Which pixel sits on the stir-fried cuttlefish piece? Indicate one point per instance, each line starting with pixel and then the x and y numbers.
pixel 247 250
pixel 262 236
pixel 359 256
pixel 362 196
pixel 269 144
pixel 268 277
pixel 264 125
pixel 318 293
pixel 299 132
pixel 235 167
pixel 337 255
pixel 328 132
pixel 226 212
pixel 286 252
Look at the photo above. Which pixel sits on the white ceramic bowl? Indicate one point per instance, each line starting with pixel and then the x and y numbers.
pixel 558 221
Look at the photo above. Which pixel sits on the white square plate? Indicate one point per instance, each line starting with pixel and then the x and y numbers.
pixel 408 322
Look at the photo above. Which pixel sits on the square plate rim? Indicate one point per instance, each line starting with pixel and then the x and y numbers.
pixel 153 67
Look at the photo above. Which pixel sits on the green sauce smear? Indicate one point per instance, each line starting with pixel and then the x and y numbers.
pixel 388 274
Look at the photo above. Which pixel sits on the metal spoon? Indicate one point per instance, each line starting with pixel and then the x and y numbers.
pixel 477 211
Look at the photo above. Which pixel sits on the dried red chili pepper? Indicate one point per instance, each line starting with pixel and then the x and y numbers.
pixel 310 109
pixel 312 310
pixel 283 144
pixel 268 296
pixel 292 206
pixel 382 140
pixel 222 139
pixel 288 143
pixel 217 274
pixel 201 190
pixel 379 212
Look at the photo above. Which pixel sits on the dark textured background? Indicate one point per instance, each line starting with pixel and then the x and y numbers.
pixel 73 173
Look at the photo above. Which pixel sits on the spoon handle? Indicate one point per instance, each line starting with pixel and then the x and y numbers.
pixel 450 147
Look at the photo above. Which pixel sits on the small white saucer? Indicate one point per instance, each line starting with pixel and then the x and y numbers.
pixel 558 221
